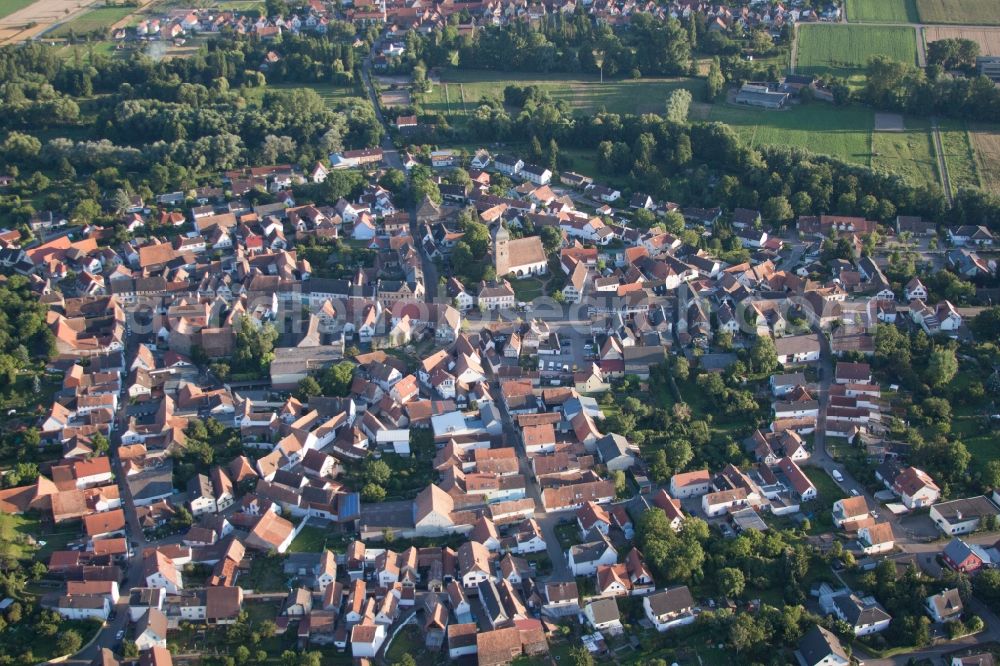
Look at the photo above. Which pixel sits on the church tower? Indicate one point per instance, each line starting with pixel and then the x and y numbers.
pixel 501 245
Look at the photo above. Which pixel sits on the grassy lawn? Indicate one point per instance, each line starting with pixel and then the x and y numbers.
pixel 408 641
pixel 909 153
pixel 568 534
pixel 961 12
pixel 843 50
pixel 882 11
pixel 584 94
pixel 527 289
pixel 958 153
pixel 8 7
pixel 826 487
pixel 843 132
pixel 86 52
pixel 309 540
pixel 15 530
pixel 96 20
pixel 265 575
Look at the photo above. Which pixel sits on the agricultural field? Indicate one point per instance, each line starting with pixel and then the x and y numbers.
pixel 8 7
pixel 882 11
pixel 986 145
pixel 958 12
pixel 460 91
pixel 958 154
pixel 909 152
pixel 987 38
pixel 843 50
pixel 95 20
pixel 820 128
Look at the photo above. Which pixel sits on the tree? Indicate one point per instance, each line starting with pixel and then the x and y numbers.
pixel 942 366
pixel 254 348
pixel 715 82
pixel 618 477
pixel 85 211
pixel 778 210
pixel 763 355
pixel 730 581
pixel 373 493
pixel 69 642
pixel 406 660
pixel 986 585
pixel 580 656
pixel 336 379
pixel 678 105
pixel 377 471
pixel 307 388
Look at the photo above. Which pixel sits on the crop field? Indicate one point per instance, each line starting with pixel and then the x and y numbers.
pixel 840 132
pixel 987 38
pixel 882 11
pixel 460 91
pixel 843 50
pixel 8 7
pixel 986 145
pixel 95 20
pixel 909 153
pixel 958 154
pixel 959 12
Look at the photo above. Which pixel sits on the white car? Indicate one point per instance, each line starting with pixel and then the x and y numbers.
pixel 837 476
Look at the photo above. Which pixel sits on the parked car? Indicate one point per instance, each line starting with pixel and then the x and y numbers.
pixel 837 476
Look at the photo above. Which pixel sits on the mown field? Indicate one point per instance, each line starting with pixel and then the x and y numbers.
pixel 8 7
pixel 986 145
pixel 843 132
pixel 96 20
pixel 909 153
pixel 958 153
pixel 882 11
pixel 987 38
pixel 843 50
pixel 461 90
pixel 958 12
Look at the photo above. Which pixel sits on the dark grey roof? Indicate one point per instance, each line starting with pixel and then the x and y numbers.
pixel 817 644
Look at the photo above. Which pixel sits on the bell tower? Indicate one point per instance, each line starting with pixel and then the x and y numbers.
pixel 501 248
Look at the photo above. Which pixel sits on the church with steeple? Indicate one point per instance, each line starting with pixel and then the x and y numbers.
pixel 518 256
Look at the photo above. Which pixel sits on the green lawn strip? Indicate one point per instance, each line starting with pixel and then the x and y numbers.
pixel 959 155
pixel 842 132
pixel 843 50
pixel 909 153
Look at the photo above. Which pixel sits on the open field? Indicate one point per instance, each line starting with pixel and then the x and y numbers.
pixel 986 145
pixel 958 153
pixel 843 50
pixel 959 12
pixel 882 11
pixel 820 128
pixel 909 152
pixel 461 90
pixel 99 19
pixel 987 38
pixel 8 7
pixel 39 15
